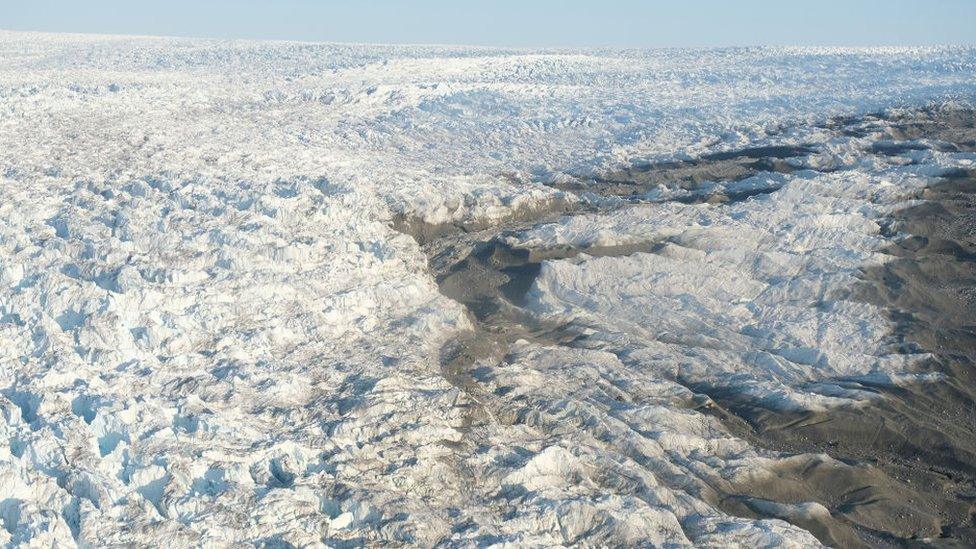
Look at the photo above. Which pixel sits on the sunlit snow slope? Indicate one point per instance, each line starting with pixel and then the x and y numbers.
pixel 210 333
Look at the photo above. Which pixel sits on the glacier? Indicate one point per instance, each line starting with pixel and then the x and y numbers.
pixel 215 331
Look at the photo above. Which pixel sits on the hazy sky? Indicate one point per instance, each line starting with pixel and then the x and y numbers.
pixel 621 23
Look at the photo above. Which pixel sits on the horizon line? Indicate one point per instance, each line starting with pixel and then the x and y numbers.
pixel 486 46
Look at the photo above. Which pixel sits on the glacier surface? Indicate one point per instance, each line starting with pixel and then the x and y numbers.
pixel 212 334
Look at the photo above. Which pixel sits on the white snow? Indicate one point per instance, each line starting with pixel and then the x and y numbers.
pixel 211 335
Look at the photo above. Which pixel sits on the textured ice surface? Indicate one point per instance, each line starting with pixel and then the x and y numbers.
pixel 210 334
pixel 748 297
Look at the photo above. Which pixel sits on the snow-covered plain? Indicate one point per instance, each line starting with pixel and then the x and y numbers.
pixel 210 333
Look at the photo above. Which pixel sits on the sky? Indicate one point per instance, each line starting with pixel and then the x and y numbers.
pixel 518 23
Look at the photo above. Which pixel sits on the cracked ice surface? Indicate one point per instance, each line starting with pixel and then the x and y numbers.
pixel 749 297
pixel 210 333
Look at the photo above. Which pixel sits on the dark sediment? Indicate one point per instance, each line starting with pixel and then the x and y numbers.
pixel 697 177
pixel 903 471
pixel 921 438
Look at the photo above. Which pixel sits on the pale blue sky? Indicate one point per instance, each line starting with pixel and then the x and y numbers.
pixel 617 23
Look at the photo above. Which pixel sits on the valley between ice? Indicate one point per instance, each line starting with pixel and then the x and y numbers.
pixel 212 332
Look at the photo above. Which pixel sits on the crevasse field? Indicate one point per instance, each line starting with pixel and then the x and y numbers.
pixel 215 331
